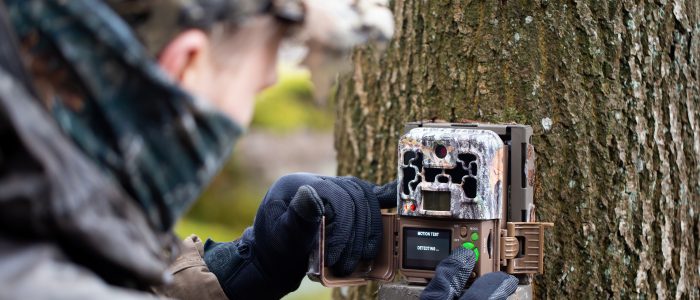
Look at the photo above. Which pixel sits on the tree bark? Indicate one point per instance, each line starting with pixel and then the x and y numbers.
pixel 611 89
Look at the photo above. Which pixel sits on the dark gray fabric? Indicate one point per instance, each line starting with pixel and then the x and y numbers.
pixel 492 286
pixel 38 270
pixel 451 275
pixel 505 289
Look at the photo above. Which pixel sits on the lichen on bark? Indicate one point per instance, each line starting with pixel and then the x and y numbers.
pixel 612 89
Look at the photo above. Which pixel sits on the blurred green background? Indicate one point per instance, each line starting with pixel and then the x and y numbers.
pixel 290 132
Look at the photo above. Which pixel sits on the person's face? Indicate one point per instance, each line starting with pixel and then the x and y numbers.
pixel 226 68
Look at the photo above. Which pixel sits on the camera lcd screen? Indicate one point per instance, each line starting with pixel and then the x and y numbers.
pixel 439 201
pixel 424 248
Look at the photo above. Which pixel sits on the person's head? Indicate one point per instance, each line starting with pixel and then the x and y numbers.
pixel 225 51
pixel 226 67
pixel 222 52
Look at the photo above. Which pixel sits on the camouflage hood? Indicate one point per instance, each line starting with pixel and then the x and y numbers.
pixel 161 144
pixel 120 152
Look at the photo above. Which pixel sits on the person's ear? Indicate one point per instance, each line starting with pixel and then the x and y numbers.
pixel 182 58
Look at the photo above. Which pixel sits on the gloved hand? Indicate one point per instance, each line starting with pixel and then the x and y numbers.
pixel 271 258
pixel 452 273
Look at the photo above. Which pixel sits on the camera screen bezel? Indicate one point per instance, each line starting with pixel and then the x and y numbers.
pixel 404 260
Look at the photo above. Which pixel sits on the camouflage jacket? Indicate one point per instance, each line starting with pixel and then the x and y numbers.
pixel 99 150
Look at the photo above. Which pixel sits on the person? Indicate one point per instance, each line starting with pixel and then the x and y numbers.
pixel 115 114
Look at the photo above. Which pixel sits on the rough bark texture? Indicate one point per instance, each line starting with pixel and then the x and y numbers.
pixel 612 91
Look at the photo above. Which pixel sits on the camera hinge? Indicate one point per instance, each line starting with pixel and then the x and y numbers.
pixel 522 247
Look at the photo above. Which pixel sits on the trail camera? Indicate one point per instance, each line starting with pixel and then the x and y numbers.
pixel 460 185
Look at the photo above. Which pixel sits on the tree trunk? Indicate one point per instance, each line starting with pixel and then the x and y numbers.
pixel 611 89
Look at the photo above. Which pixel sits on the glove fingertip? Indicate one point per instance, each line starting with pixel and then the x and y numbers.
pixel 464 256
pixel 386 194
pixel 307 204
pixel 496 286
pixel 451 275
pixel 507 288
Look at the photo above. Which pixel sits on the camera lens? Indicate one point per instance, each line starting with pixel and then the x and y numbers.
pixel 440 151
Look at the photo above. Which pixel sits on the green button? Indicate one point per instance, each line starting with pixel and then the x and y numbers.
pixel 475 236
pixel 470 246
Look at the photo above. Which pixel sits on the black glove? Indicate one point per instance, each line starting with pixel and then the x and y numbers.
pixel 271 258
pixel 453 272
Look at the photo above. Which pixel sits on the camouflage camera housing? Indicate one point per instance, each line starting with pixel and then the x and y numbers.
pixel 460 185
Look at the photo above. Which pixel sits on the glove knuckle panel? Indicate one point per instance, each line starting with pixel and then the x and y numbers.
pixel 343 210
pixel 362 230
pixel 376 231
pixel 286 186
